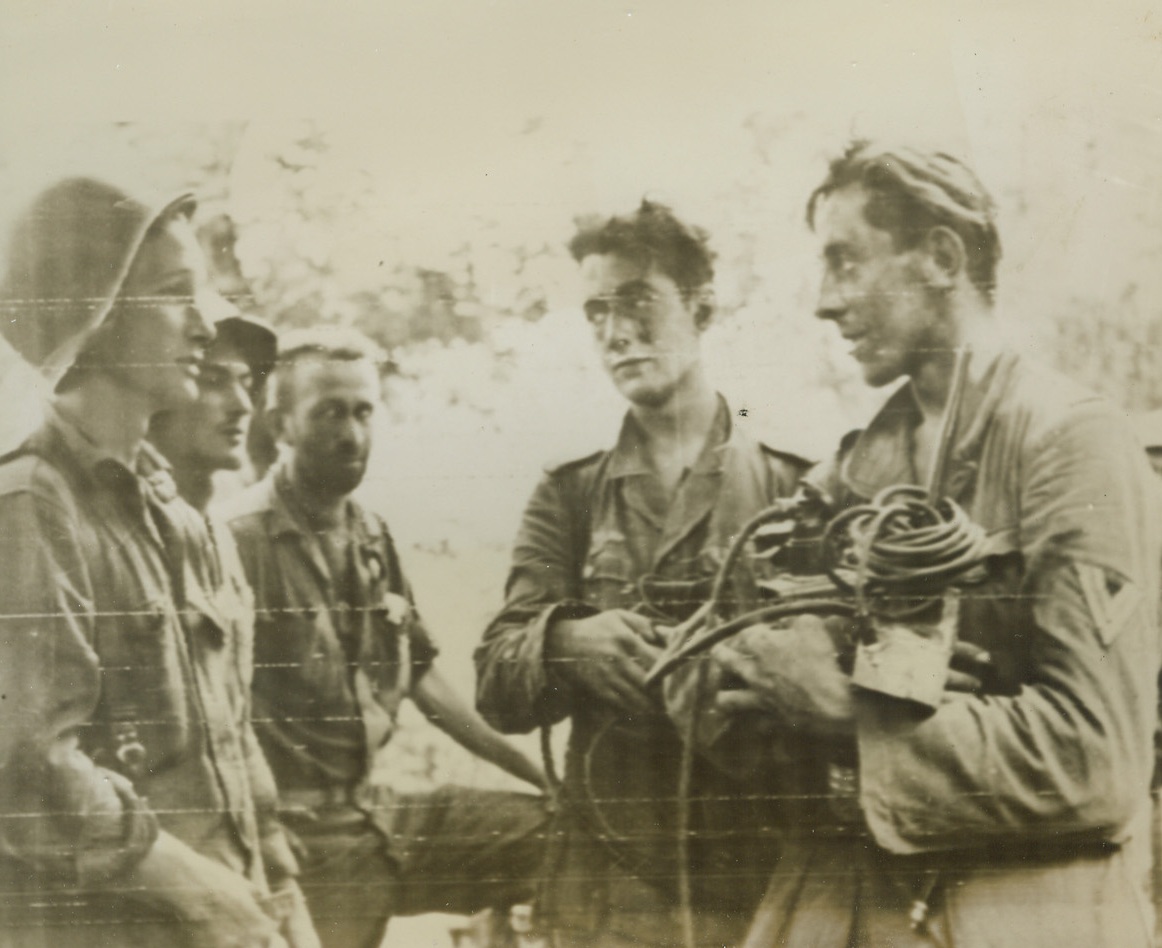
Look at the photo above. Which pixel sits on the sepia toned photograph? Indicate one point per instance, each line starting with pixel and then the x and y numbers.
pixel 498 474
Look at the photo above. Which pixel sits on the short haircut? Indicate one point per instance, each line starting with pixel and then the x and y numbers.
pixel 651 236
pixel 322 344
pixel 910 192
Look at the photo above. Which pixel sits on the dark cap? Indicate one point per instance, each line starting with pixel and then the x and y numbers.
pixel 253 337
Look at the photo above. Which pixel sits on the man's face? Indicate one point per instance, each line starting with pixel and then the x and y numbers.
pixel 210 434
pixel 646 329
pixel 156 339
pixel 875 295
pixel 328 422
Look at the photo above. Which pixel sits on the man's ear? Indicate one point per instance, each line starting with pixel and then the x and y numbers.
pixel 277 422
pixel 703 300
pixel 945 257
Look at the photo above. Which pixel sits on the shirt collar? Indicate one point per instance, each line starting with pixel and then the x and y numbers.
pixel 628 456
pixel 288 515
pixel 95 461
pixel 881 454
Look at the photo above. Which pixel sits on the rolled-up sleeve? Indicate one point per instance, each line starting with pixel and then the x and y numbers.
pixel 61 816
pixel 516 690
pixel 1070 752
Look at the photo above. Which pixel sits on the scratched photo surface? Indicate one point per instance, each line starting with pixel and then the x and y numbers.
pixel 415 173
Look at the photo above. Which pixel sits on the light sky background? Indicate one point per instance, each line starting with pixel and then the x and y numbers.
pixel 526 113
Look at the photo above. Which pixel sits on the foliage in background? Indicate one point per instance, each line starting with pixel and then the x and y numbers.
pixel 474 296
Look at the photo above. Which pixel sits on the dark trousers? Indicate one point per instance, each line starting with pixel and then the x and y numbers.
pixel 453 850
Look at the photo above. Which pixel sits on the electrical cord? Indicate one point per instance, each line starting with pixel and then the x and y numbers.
pixel 900 547
pixel 893 557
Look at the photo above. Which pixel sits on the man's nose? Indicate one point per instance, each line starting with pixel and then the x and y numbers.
pixel 198 329
pixel 832 303
pixel 354 432
pixel 240 401
pixel 617 331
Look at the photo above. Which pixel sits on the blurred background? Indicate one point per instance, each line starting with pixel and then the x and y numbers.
pixel 415 169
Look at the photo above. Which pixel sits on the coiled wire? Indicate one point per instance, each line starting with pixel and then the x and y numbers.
pixel 899 553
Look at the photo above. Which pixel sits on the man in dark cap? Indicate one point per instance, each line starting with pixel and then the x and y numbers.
pixel 211 435
pixel 199 440
pixel 126 800
pixel 616 546
pixel 1018 815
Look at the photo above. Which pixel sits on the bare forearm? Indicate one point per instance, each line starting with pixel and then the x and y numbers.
pixel 441 705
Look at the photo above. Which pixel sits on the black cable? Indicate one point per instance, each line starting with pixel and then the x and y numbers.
pixel 814 605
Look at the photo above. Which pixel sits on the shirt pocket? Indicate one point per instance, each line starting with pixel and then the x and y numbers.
pixel 299 662
pixel 608 575
pixel 145 692
pixel 222 672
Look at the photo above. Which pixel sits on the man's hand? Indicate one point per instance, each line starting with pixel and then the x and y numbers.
pixel 970 669
pixel 790 672
pixel 296 925
pixel 218 907
pixel 608 656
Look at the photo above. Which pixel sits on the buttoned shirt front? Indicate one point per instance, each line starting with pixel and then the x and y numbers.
pixel 599 533
pixel 334 655
pixel 1021 811
pixel 110 697
pixel 1056 478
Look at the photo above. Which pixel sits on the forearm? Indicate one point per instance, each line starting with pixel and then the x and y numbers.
pixel 517 688
pixel 1068 754
pixel 1067 750
pixel 277 854
pixel 218 908
pixel 174 877
pixel 63 816
pixel 440 703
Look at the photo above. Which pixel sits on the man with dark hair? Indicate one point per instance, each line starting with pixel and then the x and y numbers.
pixel 199 440
pixel 339 645
pixel 909 193
pixel 1019 814
pixel 652 236
pixel 127 813
pixel 210 435
pixel 614 548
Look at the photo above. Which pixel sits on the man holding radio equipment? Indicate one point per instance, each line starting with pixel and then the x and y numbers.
pixel 615 548
pixel 1018 814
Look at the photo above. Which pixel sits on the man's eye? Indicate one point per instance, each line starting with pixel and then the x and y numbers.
pixel 363 412
pixel 596 311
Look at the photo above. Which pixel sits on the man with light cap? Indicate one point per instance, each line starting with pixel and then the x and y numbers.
pixel 127 812
pixel 1018 814
pixel 339 645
